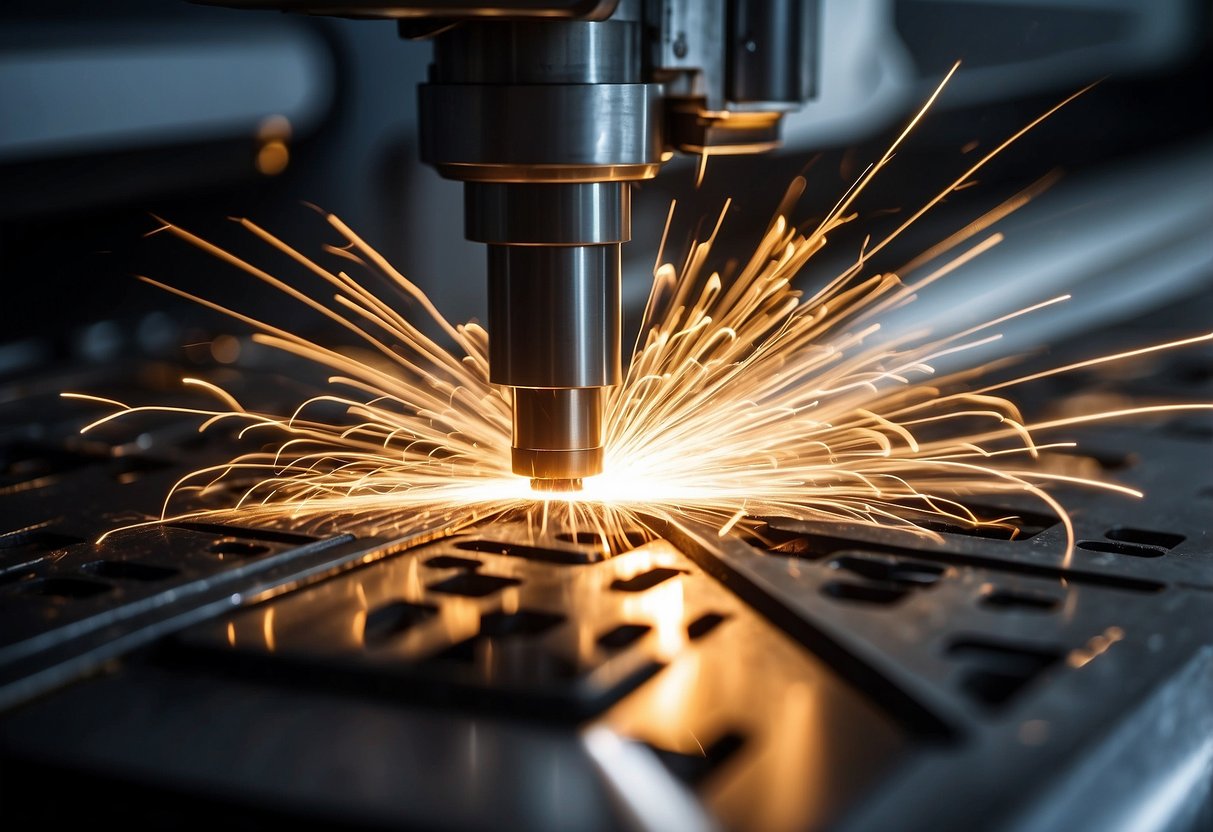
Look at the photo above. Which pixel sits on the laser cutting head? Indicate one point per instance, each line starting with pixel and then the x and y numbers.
pixel 548 111
pixel 547 123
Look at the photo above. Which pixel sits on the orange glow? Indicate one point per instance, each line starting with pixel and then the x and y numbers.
pixel 272 158
pixel 273 154
pixel 267 628
pixel 1095 647
pixel 225 349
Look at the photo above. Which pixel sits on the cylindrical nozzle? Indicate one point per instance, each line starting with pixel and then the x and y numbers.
pixel 557 432
pixel 554 315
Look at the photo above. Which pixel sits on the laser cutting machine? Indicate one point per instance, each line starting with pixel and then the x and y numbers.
pixel 548 113
pixel 474 678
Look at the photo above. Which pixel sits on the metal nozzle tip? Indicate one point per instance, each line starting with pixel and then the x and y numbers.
pixel 548 465
pixel 556 485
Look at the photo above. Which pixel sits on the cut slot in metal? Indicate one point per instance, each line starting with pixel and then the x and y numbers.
pixel 37 540
pixel 786 543
pixel 995 672
pixel 509 665
pixel 890 570
pixel 130 570
pixel 390 620
pixel 693 769
pixel 633 539
pixel 243 532
pixel 1013 524
pixel 503 648
pixel 824 544
pixel 1008 600
pixel 521 623
pixel 704 624
pixel 473 584
pixel 622 636
pixel 453 562
pixel 568 557
pixel 1145 537
pixel 1113 547
pixel 67 588
pixel 880 594
pixel 984 532
pixel 645 580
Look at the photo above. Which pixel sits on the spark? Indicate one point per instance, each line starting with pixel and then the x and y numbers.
pixel 744 398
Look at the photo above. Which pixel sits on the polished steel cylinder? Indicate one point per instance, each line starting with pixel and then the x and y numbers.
pixel 554 316
pixel 507 213
pixel 541 102
pixel 557 432
pixel 768 53
pixel 525 52
pixel 554 313
pixel 542 132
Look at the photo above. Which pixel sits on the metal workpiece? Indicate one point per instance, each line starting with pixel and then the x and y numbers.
pixel 644 646
pixel 588 213
pixel 785 674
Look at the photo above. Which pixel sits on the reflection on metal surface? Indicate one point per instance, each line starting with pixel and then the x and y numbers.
pixel 651 798
pixel 580 642
pixel 267 628
pixel 1095 647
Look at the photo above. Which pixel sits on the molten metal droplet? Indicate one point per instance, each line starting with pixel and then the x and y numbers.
pixel 572 484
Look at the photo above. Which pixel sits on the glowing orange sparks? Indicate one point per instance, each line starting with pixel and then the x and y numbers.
pixel 743 398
